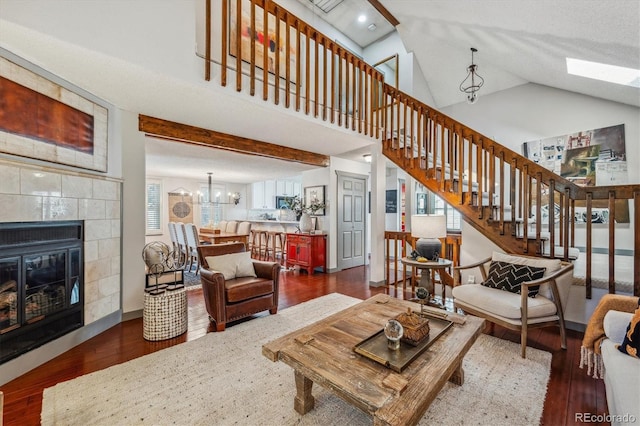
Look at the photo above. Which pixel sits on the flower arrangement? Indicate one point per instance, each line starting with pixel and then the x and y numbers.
pixel 297 204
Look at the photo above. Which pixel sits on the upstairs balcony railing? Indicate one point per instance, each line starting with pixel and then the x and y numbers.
pixel 267 51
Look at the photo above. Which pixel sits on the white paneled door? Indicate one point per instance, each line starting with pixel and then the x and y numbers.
pixel 352 196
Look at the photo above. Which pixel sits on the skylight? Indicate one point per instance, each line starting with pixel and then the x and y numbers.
pixel 604 72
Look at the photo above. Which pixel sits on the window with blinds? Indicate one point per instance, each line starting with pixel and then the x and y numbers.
pixel 154 201
pixel 438 206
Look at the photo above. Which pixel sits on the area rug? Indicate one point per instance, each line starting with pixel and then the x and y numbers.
pixel 223 379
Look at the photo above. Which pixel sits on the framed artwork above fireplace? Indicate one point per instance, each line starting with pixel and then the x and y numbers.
pixel 44 120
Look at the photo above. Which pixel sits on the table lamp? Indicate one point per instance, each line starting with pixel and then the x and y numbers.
pixel 428 228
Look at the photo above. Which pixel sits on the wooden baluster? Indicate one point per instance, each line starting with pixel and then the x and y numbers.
pixel 404 131
pixel 265 54
pixel 287 65
pixel 589 238
pixel 538 210
pixel 470 166
pixel 347 92
pixel 298 66
pixel 359 109
pixel 512 194
pixel 366 108
pixel 252 59
pixel 492 177
pixel 324 78
pixel 442 155
pixel 501 192
pixel 552 210
pixel 340 86
pixel 316 75
pixel 525 216
pixel 307 71
pixel 561 216
pixel 238 45
pixel 207 43
pixel 354 104
pixel 572 222
pixel 612 241
pixel 278 42
pixel 636 244
pixel 460 165
pixel 332 111
pixel 565 223
pixel 480 174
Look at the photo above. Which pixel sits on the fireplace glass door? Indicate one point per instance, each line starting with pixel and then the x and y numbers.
pixel 9 270
pixel 45 284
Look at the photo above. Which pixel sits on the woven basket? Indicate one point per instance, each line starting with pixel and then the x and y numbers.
pixel 416 328
pixel 164 315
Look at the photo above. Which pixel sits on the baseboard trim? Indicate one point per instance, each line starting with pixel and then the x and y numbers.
pixel 382 283
pixel 132 315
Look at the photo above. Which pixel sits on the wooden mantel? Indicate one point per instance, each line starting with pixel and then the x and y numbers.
pixel 178 132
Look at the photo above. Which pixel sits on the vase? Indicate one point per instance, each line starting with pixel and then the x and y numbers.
pixel 305 222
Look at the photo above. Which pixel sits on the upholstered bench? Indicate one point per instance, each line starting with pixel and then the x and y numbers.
pixel 499 299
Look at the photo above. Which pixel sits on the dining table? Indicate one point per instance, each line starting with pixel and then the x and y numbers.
pixel 224 237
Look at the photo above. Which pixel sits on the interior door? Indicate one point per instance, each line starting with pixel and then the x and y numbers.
pixel 352 190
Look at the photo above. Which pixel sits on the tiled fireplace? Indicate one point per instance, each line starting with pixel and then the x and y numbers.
pixel 36 196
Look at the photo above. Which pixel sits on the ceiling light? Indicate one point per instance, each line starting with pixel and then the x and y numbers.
pixel 372 27
pixel 367 158
pixel 362 18
pixel 604 72
pixel 473 80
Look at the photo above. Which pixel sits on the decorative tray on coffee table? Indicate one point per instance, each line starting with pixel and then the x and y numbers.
pixel 376 349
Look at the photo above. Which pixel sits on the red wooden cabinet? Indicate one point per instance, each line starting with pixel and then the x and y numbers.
pixel 308 251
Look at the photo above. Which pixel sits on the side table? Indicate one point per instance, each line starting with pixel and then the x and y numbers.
pixel 440 265
pixel 165 314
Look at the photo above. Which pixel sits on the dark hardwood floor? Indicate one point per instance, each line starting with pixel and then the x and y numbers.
pixel 570 390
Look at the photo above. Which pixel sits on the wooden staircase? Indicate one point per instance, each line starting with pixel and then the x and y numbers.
pixel 499 192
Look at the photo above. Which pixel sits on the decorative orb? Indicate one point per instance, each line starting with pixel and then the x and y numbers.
pixel 394 332
pixel 422 293
pixel 155 253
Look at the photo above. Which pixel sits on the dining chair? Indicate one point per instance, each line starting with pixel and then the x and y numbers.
pixel 182 245
pixel 232 226
pixel 192 246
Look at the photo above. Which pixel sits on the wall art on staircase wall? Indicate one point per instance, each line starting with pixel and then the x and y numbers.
pixel 595 157
pixel 43 120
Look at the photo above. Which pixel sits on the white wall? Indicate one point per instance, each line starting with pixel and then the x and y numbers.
pixel 133 210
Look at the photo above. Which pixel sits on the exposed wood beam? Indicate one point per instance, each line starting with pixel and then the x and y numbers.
pixel 384 12
pixel 170 130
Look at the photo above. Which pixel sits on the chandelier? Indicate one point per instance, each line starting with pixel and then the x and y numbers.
pixel 214 199
pixel 473 80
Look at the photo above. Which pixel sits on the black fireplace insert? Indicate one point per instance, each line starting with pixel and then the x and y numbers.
pixel 41 284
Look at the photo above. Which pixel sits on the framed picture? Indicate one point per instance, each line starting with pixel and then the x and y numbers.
pixel 46 121
pixel 265 41
pixel 315 195
pixel 391 201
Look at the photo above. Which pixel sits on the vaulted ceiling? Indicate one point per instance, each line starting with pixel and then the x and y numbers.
pixel 140 59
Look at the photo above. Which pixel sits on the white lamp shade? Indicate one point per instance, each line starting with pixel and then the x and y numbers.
pixel 428 226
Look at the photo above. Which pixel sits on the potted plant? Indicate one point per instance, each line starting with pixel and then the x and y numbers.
pixel 302 211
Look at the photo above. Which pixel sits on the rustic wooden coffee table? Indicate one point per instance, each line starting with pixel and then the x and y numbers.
pixel 323 353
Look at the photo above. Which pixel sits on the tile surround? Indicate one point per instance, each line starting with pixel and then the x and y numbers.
pixel 30 194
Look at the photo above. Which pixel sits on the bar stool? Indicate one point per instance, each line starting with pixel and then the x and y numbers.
pixel 257 242
pixel 280 247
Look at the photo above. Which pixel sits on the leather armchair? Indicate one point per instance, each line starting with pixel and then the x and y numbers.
pixel 231 300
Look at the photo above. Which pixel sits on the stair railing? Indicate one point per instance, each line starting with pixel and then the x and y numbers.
pixel 498 191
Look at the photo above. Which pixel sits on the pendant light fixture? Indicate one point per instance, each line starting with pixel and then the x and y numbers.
pixel 473 81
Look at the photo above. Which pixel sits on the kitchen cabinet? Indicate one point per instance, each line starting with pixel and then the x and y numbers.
pixel 263 194
pixel 288 188
pixel 308 251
